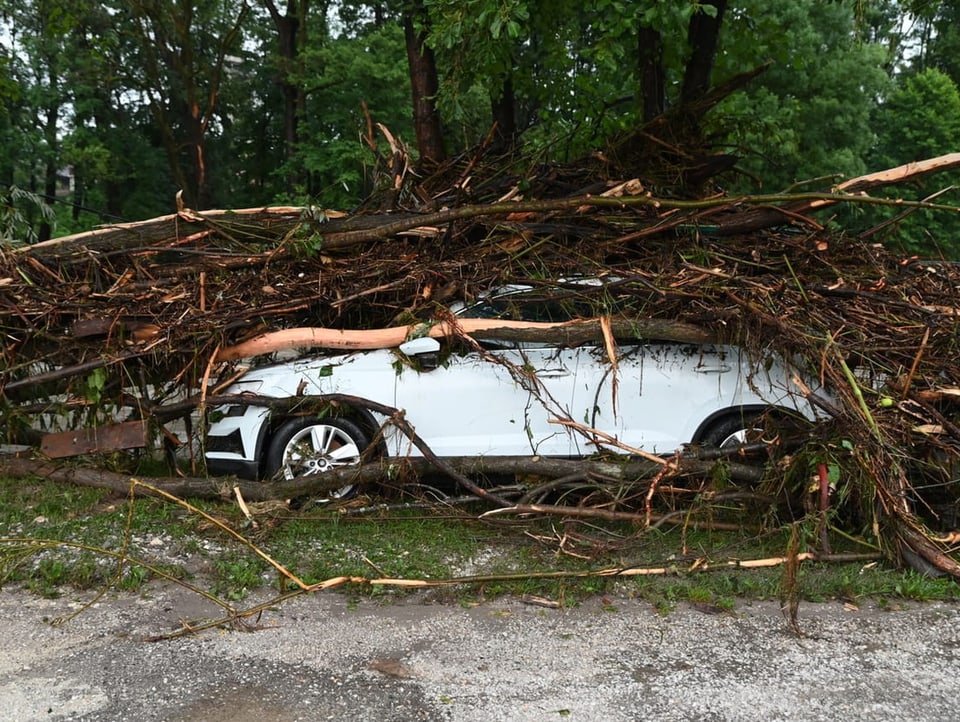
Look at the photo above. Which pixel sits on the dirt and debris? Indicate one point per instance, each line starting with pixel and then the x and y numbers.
pixel 142 317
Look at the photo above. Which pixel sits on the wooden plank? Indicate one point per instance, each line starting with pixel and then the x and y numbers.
pixel 127 435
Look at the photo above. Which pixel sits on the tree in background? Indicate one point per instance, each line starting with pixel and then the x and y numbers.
pixel 184 52
pixel 248 102
pixel 291 32
pixel 579 72
pixel 936 37
pixel 353 80
pixel 16 208
pixel 810 114
pixel 41 30
pixel 921 119
pixel 424 82
pixel 13 107
pixel 110 144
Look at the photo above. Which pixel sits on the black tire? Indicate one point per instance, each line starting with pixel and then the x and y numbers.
pixel 308 445
pixel 735 430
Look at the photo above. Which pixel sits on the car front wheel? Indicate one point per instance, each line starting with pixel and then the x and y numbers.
pixel 306 446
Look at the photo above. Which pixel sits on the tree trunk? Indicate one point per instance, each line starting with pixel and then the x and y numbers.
pixel 50 166
pixel 424 84
pixel 652 74
pixel 505 115
pixel 703 35
pixel 568 333
pixel 288 30
pixel 182 78
pixel 636 471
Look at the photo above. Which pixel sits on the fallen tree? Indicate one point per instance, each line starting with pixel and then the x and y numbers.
pixel 570 333
pixel 149 320
pixel 634 472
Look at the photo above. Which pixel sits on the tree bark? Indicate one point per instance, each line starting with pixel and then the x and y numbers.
pixel 504 112
pixel 756 219
pixel 703 36
pixel 222 488
pixel 50 166
pixel 652 73
pixel 424 84
pixel 166 229
pixel 288 31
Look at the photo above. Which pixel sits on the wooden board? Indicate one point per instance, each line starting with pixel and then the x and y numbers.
pixel 127 435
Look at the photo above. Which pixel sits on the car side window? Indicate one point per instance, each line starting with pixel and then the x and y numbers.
pixel 530 306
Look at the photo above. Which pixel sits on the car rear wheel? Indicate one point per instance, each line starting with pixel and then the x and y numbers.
pixel 305 446
pixel 735 430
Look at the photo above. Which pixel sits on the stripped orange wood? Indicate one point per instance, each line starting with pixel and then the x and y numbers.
pixel 568 333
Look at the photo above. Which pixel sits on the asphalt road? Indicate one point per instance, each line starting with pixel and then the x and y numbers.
pixel 328 657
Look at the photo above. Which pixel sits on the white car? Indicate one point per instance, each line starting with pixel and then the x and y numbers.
pixel 506 399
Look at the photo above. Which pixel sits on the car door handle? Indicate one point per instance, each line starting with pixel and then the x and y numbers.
pixel 552 373
pixel 718 369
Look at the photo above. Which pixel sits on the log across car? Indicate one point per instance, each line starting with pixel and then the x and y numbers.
pixel 500 399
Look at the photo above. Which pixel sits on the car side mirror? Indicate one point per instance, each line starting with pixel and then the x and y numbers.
pixel 425 351
pixel 420 346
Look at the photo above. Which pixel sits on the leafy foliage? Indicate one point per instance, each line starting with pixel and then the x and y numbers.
pixel 809 114
pixel 353 80
pixel 135 101
pixel 921 119
pixel 17 207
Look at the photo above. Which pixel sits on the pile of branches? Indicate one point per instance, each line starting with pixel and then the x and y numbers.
pixel 152 317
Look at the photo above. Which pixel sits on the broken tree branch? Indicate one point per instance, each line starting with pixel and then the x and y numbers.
pixel 631 471
pixel 851 191
pixel 569 333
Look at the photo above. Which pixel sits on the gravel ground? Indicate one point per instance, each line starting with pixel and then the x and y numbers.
pixel 327 657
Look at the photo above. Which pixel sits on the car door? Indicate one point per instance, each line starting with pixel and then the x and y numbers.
pixel 659 393
pixel 500 401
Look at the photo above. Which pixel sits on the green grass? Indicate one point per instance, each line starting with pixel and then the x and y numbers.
pixel 83 529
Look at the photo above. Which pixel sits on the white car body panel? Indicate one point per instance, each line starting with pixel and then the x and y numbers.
pixel 471 406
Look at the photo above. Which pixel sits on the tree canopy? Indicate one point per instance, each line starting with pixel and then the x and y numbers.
pixel 107 110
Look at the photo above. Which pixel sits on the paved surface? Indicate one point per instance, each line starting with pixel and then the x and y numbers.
pixel 325 657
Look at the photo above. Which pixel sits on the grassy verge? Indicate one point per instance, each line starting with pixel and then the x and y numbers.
pixel 55 538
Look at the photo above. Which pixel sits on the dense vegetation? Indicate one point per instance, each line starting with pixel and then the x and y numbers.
pixel 241 103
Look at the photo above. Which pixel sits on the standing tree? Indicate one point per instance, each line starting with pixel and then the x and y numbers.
pixel 41 32
pixel 351 81
pixel 294 26
pixel 573 68
pixel 810 114
pixel 424 83
pixel 99 141
pixel 184 49
pixel 290 27
pixel 703 36
pixel 939 37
